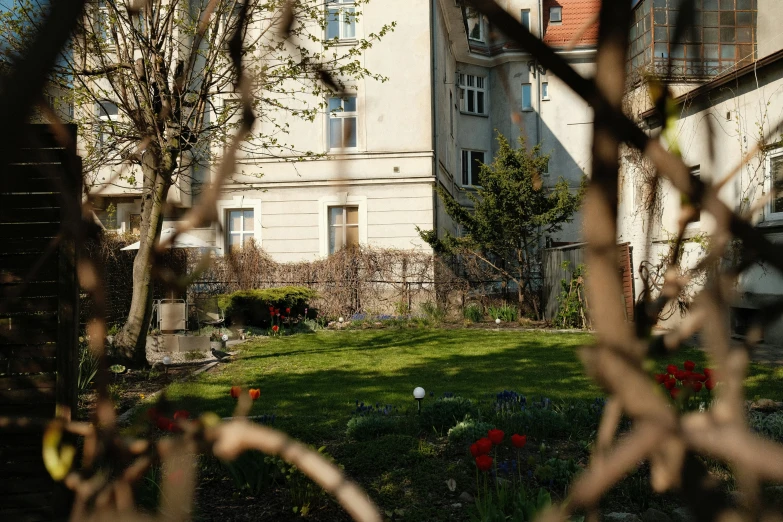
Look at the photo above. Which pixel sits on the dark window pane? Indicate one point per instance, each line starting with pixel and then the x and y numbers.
pixel 659 3
pixel 776 168
pixel 661 34
pixel 678 51
pixel 471 101
pixel 727 52
pixel 660 17
pixel 710 5
pixel 711 19
pixel 727 4
pixel 350 132
pixel 745 52
pixel 480 104
pixel 711 52
pixel 744 35
pixel 698 19
pixel 744 19
pixel 661 50
pixel 727 35
pixel 693 51
pixel 744 5
pixel 465 165
pixel 727 18
pixel 711 36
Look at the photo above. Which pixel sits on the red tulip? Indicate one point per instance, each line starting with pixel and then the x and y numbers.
pixel 671 369
pixel 272 310
pixel 709 384
pixel 707 372
pixel 181 414
pixel 255 393
pixel 680 375
pixel 696 386
pixel 699 377
pixel 670 383
pixel 474 450
pixel 235 391
pixel 674 392
pixel 496 436
pixel 518 441
pixel 661 378
pixel 484 445
pixel 163 423
pixel 288 311
pixel 275 328
pixel 484 462
pixel 689 365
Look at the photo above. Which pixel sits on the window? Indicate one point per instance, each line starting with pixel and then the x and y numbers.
pixel 472 94
pixel 471 165
pixel 342 123
pixel 525 18
pixel 775 185
pixel 343 228
pixel 240 228
pixel 475 25
pixel 340 20
pixel 544 90
pixel 527 98
pixel 135 224
pixel 556 14
pixel 107 112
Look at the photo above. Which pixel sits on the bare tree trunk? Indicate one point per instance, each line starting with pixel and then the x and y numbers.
pixel 132 339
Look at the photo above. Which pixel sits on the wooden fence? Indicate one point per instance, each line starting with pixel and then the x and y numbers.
pixel 560 264
pixel 38 314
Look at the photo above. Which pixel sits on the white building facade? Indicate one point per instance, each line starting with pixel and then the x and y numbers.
pixel 451 85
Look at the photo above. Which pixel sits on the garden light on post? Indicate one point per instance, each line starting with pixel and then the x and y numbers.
pixel 418 394
pixel 497 321
pixel 166 362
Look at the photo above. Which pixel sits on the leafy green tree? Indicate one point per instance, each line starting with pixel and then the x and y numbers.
pixel 511 213
pixel 155 95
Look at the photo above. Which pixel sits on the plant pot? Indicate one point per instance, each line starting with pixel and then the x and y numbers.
pixel 217 345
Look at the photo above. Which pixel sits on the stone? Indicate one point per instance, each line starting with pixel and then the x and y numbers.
pixel 467 497
pixel 765 405
pixel 622 517
pixel 655 515
pixel 682 514
pixel 456 505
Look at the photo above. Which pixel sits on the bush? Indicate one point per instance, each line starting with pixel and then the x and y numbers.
pixel 251 307
pixel 446 412
pixel 506 313
pixel 473 313
pixel 468 431
pixel 770 425
pixel 367 427
pixel 252 471
pixel 433 312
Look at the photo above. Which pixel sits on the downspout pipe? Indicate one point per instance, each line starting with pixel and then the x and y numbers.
pixel 538 73
pixel 434 117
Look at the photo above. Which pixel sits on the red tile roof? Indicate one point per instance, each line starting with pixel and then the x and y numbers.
pixel 577 17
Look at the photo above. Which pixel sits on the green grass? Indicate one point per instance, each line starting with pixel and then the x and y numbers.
pixel 311 382
pixel 324 374
pixel 321 375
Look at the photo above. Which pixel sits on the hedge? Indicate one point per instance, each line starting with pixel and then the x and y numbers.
pixel 251 307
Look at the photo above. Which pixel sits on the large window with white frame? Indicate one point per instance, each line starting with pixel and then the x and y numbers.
pixel 471 166
pixel 340 20
pixel 774 168
pixel 240 228
pixel 343 228
pixel 342 122
pixel 473 94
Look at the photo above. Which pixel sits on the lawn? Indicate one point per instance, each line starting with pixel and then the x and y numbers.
pixel 312 382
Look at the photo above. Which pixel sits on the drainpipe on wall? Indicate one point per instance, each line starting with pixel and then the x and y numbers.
pixel 434 116
pixel 538 73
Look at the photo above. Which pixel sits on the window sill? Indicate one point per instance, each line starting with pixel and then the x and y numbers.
pixel 774 221
pixel 474 114
pixel 528 109
pixel 339 151
pixel 347 42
